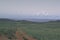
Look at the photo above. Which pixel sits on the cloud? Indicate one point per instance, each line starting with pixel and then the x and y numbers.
pixel 29 8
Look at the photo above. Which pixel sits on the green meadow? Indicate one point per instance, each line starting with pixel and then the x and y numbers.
pixel 40 31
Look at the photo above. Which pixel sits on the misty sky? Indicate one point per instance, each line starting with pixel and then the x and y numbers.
pixel 21 9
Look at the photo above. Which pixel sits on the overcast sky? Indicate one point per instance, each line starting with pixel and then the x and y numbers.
pixel 21 9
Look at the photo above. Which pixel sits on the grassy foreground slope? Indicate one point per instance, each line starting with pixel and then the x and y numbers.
pixel 43 31
pixel 40 31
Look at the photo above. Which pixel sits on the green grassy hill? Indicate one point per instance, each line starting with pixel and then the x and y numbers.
pixel 40 31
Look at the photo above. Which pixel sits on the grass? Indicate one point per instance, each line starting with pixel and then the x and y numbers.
pixel 40 31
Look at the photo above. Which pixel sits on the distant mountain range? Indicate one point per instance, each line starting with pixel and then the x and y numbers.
pixel 5 19
pixel 29 20
pixel 41 20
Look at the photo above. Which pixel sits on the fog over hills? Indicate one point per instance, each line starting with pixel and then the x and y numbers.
pixel 41 20
pixel 32 20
